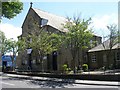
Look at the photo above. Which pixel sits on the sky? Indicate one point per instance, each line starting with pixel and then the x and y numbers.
pixel 102 14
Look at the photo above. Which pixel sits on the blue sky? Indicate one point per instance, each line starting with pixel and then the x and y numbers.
pixel 102 13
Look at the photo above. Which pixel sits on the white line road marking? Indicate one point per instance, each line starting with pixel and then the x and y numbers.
pixel 8 84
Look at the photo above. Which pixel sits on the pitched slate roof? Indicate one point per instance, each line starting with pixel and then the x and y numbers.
pixel 53 20
pixel 106 44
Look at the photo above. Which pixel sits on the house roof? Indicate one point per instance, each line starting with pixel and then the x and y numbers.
pixel 106 44
pixel 53 20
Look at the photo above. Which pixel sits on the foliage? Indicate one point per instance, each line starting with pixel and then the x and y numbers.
pixel 6 45
pixel 78 37
pixel 85 67
pixel 45 43
pixel 66 69
pixel 113 37
pixel 2 41
pixel 11 8
pixel 65 66
pixel 21 43
pixel 41 42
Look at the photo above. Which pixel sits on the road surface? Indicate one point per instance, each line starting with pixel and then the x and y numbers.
pixel 21 81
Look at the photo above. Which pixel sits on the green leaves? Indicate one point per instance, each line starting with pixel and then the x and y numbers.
pixel 2 41
pixel 7 45
pixel 44 42
pixel 78 36
pixel 21 43
pixel 11 9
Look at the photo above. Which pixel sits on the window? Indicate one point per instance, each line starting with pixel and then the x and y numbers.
pixel 93 58
pixel 44 22
pixel 118 56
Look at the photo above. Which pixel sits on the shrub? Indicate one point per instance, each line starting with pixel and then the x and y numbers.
pixel 85 67
pixel 66 69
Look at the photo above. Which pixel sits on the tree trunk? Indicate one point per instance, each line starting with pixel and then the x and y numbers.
pixel 105 59
pixel 80 53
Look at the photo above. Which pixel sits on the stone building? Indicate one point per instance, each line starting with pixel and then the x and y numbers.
pixel 101 56
pixel 52 23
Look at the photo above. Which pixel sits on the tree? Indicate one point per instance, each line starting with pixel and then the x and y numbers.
pixel 113 36
pixel 8 46
pixel 113 39
pixel 41 42
pixel 11 8
pixel 78 37
pixel 45 43
pixel 2 41
pixel 12 47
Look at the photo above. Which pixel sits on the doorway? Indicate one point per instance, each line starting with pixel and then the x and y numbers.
pixel 54 60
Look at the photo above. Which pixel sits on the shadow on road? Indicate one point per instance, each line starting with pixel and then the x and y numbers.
pixel 49 83
pixel 53 84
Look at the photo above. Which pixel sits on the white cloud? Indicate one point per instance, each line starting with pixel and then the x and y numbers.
pixel 100 23
pixel 10 30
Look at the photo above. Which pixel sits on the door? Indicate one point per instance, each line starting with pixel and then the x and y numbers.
pixel 54 64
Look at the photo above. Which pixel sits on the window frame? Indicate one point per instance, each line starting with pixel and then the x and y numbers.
pixel 117 56
pixel 93 58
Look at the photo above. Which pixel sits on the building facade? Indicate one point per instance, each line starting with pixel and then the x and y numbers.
pixel 55 60
pixel 100 56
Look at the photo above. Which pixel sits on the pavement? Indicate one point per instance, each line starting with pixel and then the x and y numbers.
pixel 9 82
pixel 86 82
pixel 117 71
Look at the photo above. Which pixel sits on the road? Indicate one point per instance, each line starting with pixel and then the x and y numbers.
pixel 20 81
